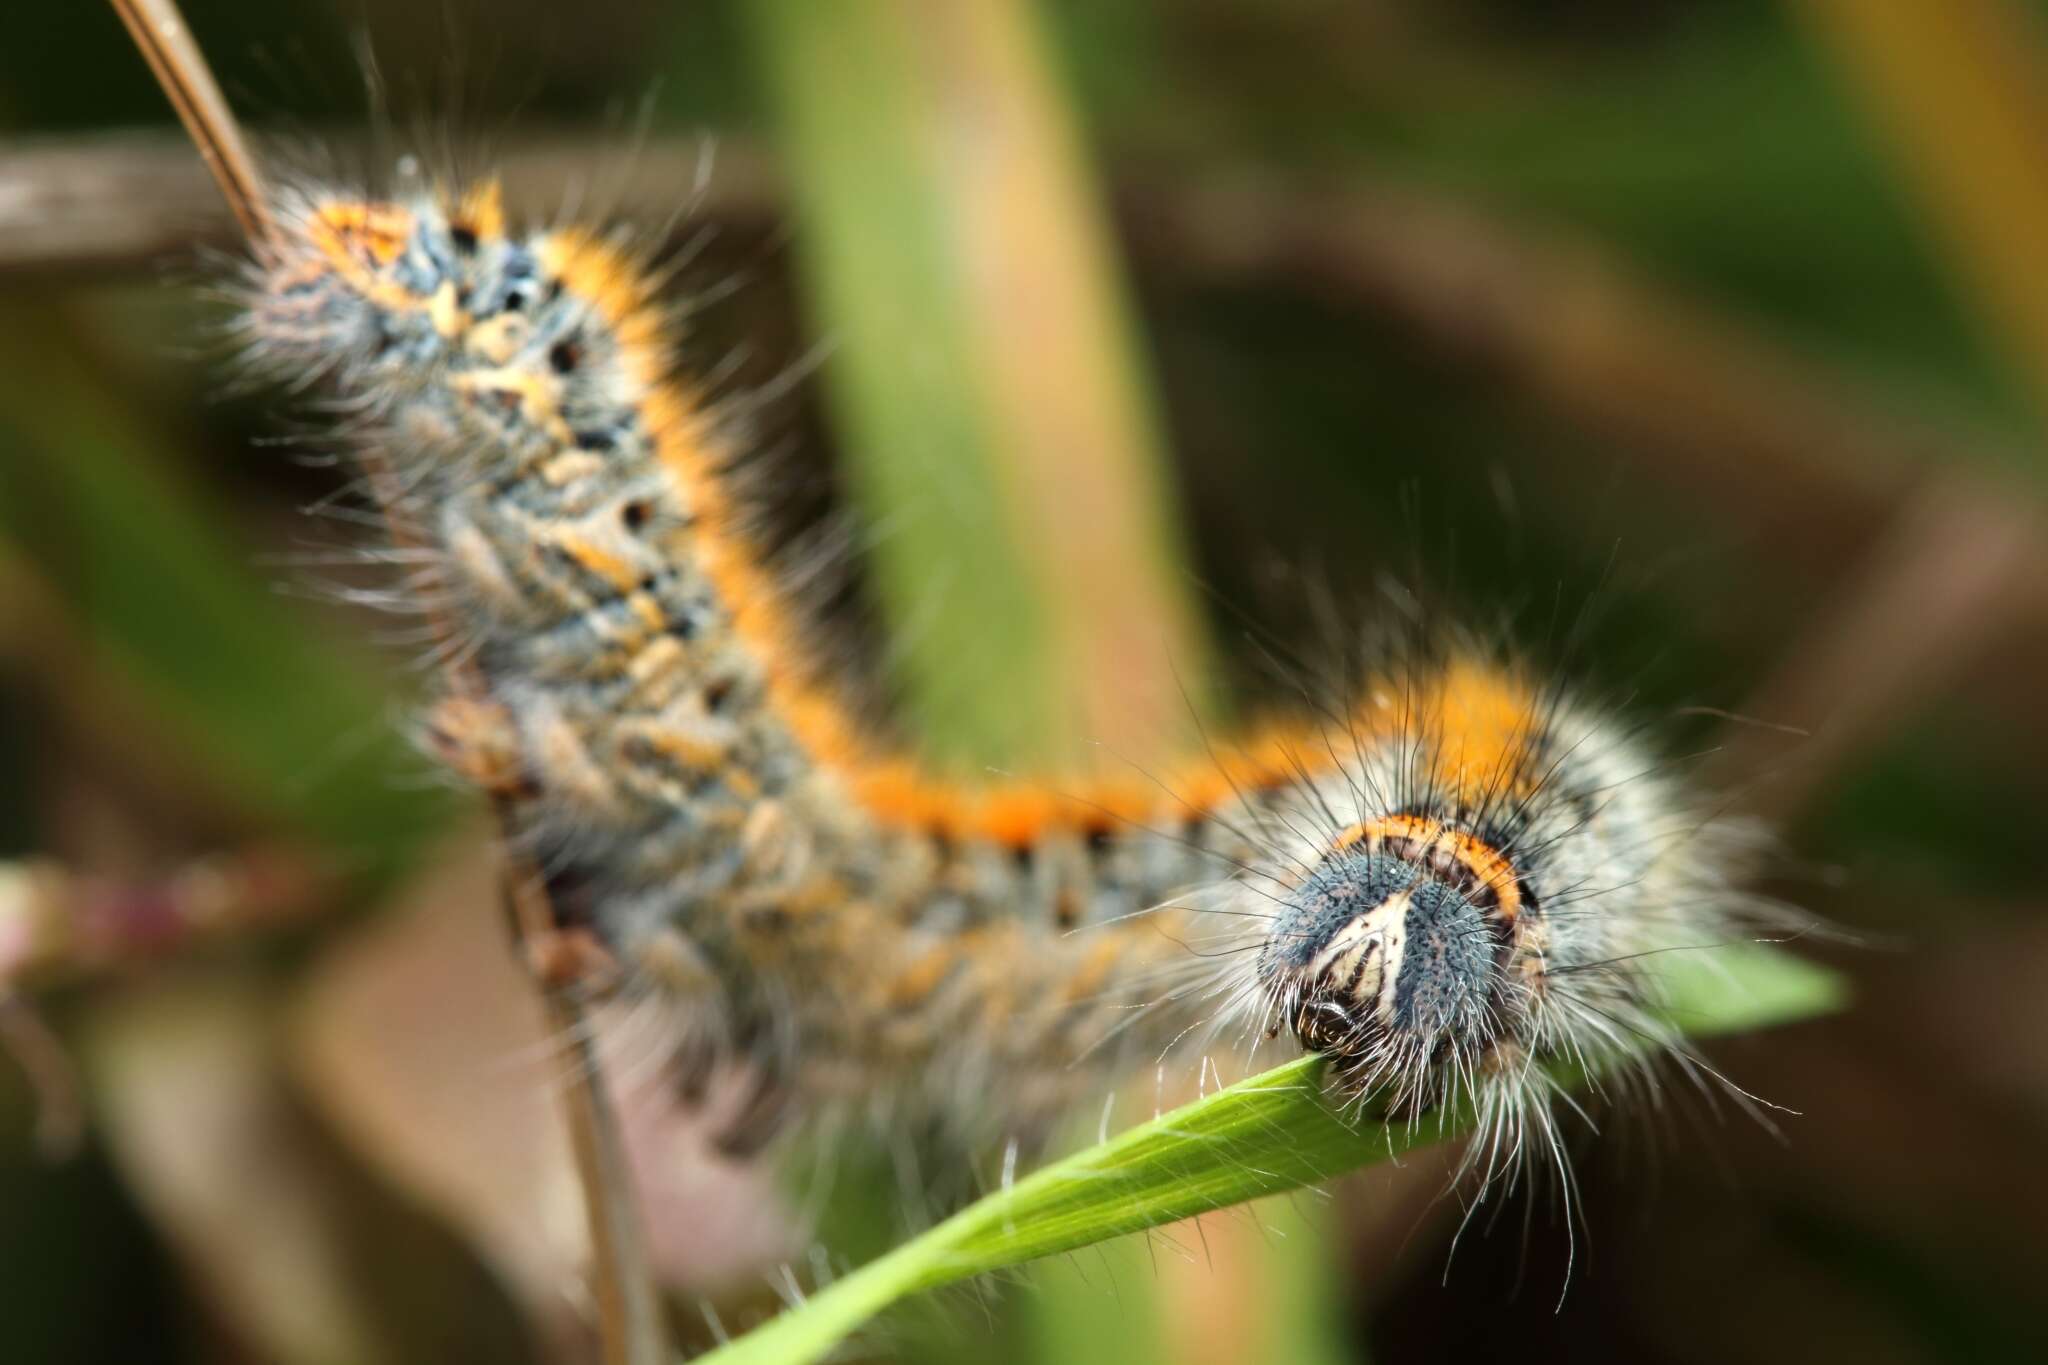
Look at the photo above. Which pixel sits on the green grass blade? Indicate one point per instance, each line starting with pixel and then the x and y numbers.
pixel 1266 1135
pixel 985 381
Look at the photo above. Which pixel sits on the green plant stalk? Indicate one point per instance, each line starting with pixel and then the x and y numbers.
pixel 1272 1133
pixel 997 420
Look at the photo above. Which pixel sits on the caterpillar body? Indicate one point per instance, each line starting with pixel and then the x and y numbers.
pixel 1442 881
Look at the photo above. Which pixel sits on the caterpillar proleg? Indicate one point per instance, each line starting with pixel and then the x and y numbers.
pixel 1445 877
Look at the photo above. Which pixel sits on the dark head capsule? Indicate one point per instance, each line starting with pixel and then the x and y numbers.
pixel 1376 958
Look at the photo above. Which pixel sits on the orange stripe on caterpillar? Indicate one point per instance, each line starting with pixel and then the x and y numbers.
pixel 1419 839
pixel 1479 715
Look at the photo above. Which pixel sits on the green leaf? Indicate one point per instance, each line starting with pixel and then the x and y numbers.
pixel 1266 1135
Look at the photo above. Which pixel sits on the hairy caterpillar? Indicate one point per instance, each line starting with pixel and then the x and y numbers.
pixel 1442 881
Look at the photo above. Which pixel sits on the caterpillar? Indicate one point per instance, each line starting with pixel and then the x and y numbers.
pixel 1443 879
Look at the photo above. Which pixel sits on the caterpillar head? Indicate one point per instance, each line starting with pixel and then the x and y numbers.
pixel 1397 952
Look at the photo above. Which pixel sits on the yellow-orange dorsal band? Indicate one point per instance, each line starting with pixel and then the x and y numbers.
pixel 1482 870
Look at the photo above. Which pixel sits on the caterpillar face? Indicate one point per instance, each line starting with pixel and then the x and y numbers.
pixel 1398 951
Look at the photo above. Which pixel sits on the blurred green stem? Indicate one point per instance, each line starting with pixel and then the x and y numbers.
pixel 997 421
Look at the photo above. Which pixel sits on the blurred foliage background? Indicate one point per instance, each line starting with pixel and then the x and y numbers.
pixel 1716 324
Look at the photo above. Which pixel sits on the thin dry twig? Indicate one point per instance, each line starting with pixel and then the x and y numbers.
pixel 174 59
pixel 57 923
pixel 630 1324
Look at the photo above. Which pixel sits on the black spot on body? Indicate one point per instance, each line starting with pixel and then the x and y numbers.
pixel 574 895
